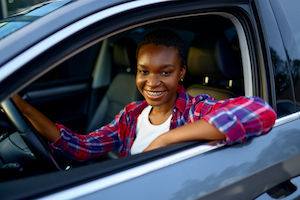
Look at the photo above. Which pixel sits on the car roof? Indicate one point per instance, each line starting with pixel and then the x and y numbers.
pixel 45 26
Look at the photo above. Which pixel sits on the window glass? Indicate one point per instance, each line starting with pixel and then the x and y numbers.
pixel 15 22
pixel 282 77
pixel 8 28
pixel 291 36
pixel 16 6
pixel 46 8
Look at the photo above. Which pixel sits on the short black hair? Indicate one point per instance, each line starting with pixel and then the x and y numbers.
pixel 167 38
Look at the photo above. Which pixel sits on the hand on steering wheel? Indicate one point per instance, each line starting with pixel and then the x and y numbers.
pixel 30 136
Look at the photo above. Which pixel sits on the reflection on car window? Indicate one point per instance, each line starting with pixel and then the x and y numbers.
pixel 283 86
pixel 12 24
pixel 43 10
pixel 282 77
pixel 10 27
pixel 291 10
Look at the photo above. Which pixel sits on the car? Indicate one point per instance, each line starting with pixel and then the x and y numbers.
pixel 76 64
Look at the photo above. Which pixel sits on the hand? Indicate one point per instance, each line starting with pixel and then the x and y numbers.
pixel 17 99
pixel 40 122
pixel 157 143
pixel 22 105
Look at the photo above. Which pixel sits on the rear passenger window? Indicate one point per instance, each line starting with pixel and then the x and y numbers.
pixel 284 54
pixel 288 15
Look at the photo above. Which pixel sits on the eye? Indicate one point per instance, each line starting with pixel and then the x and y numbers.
pixel 166 73
pixel 144 72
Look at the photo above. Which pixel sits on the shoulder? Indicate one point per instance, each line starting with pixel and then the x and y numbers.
pixel 128 112
pixel 202 100
pixel 186 102
pixel 135 107
pixel 202 97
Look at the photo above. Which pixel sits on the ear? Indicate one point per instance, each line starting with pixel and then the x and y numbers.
pixel 182 72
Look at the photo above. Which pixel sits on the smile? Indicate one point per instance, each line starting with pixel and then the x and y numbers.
pixel 154 94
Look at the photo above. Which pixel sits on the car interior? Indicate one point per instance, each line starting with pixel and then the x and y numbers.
pixel 87 90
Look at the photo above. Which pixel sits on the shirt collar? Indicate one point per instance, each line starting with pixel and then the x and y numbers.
pixel 182 99
pixel 138 107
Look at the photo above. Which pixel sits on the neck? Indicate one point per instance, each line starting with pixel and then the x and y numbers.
pixel 158 115
pixel 165 109
pixel 161 111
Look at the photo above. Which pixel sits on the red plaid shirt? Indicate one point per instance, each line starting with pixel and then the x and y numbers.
pixel 240 119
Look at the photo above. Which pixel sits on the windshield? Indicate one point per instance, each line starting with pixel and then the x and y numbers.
pixel 15 22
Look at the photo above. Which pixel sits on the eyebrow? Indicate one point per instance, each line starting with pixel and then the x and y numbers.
pixel 164 66
pixel 167 65
pixel 141 65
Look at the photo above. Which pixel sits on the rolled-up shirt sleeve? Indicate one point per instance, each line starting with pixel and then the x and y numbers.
pixel 83 147
pixel 240 118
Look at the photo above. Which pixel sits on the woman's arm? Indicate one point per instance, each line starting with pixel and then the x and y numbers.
pixel 231 120
pixel 42 124
pixel 198 130
pixel 64 141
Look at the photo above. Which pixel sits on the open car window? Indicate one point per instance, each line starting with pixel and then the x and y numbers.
pixel 55 93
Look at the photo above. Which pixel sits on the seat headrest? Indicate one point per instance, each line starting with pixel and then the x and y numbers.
pixel 124 53
pixel 212 55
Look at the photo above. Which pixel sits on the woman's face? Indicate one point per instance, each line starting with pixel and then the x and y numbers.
pixel 158 74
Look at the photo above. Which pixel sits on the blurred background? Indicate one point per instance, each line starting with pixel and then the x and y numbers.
pixel 11 7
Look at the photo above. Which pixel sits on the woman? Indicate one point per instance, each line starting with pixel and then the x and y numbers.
pixel 167 115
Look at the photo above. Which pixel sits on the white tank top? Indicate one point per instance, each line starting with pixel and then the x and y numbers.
pixel 147 132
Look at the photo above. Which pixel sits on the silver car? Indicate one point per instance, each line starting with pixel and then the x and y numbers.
pixel 75 62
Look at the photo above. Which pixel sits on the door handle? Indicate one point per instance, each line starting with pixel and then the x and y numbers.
pixel 293 193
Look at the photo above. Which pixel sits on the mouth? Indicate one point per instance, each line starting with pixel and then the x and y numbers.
pixel 154 94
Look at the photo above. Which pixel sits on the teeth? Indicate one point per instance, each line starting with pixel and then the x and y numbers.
pixel 154 93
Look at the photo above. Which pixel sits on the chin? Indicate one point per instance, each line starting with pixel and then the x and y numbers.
pixel 153 103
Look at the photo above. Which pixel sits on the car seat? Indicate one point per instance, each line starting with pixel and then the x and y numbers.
pixel 212 58
pixel 122 89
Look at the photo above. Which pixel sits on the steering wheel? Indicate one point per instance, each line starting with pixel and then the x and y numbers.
pixel 30 136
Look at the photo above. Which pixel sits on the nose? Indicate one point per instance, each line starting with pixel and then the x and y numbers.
pixel 153 80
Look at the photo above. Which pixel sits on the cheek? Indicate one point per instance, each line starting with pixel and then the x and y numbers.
pixel 173 81
pixel 140 81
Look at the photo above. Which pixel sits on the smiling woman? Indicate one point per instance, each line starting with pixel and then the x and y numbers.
pixel 159 73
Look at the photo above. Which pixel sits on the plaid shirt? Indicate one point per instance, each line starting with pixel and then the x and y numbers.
pixel 240 119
